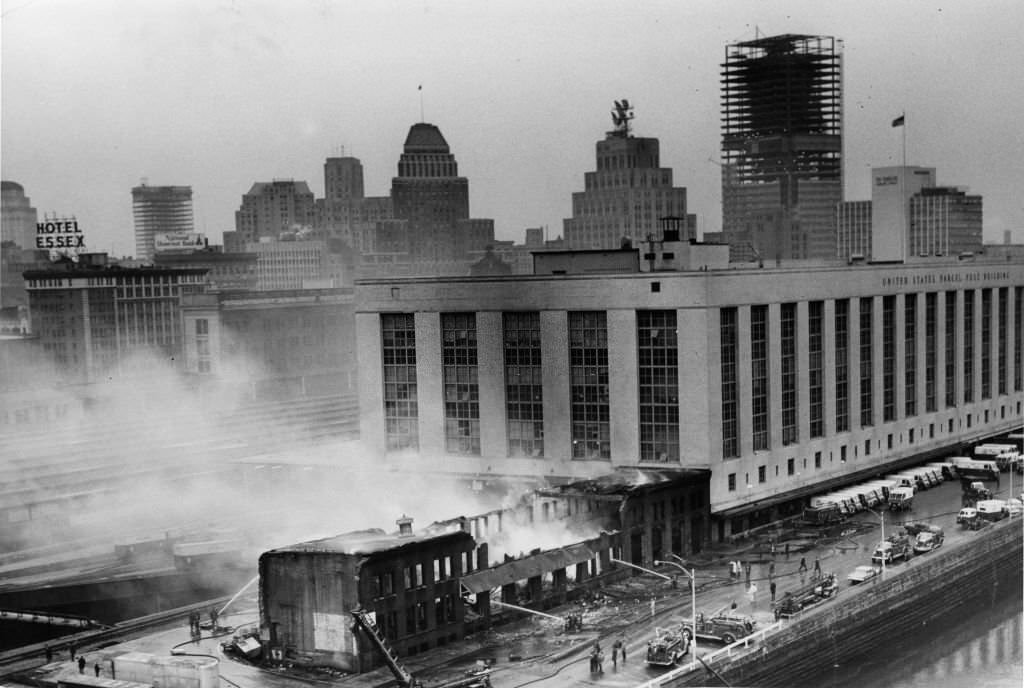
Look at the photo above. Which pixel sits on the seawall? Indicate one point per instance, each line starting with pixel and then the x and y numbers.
pixel 929 588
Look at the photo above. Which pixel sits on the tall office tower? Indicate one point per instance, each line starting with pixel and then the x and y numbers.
pixel 429 194
pixel 158 210
pixel 17 216
pixel 782 145
pixel 272 208
pixel 345 212
pixel 628 194
pixel 944 221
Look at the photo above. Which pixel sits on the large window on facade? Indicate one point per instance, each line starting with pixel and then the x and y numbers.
pixel 657 351
pixel 888 358
pixel 1004 297
pixel 759 389
pixel 968 346
pixel 787 360
pixel 588 359
pixel 951 396
pixel 930 351
pixel 728 332
pixel 815 378
pixel 910 354
pixel 986 343
pixel 867 386
pixel 842 348
pixel 524 402
pixel 398 350
pixel 461 389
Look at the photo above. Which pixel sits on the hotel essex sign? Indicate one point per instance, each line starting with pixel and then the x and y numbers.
pixel 54 234
pixel 944 278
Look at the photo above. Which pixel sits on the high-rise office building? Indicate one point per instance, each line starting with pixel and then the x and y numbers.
pixel 629 193
pixel 782 145
pixel 17 216
pixel 945 221
pixel 429 193
pixel 159 210
pixel 273 208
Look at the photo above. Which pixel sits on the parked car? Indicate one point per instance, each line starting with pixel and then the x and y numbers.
pixel 861 573
pixel 966 514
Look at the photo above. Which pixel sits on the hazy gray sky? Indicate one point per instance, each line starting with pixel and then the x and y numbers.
pixel 97 94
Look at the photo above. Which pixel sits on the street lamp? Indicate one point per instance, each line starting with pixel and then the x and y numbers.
pixel 881 517
pixel 693 599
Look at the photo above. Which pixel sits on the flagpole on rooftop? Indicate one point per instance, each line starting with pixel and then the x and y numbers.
pixel 903 191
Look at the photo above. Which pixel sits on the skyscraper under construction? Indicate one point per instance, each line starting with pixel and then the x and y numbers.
pixel 782 146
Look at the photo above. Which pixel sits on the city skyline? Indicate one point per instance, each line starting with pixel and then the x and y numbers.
pixel 522 91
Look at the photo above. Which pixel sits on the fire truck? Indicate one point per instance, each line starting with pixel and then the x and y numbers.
pixel 668 646
pixel 722 627
pixel 806 596
pixel 892 548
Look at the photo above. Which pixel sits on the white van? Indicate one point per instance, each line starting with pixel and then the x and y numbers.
pixel 903 480
pixel 886 485
pixel 916 481
pixel 850 502
pixel 935 473
pixel 869 496
pixel 947 469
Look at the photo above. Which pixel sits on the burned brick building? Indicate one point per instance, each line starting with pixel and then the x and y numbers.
pixel 407 582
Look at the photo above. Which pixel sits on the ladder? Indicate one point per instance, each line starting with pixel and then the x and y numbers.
pixel 403 675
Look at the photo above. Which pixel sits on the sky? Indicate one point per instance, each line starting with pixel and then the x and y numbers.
pixel 97 95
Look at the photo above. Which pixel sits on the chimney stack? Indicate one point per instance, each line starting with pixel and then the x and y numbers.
pixel 404 526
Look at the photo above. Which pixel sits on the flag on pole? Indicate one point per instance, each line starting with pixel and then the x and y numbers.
pixel 898 122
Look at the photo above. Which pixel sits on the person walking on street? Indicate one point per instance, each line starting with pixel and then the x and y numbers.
pixel 752 594
pixel 81 665
pixel 96 668
pixel 772 588
pixel 748 574
pixel 803 564
pixel 71 649
pixel 49 654
pixel 771 570
pixel 817 568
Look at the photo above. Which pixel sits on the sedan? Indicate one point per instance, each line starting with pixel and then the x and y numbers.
pixel 861 574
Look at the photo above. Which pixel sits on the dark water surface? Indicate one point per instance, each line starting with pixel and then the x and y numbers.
pixel 971 647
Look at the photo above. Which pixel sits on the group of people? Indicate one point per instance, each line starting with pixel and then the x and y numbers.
pixel 96 667
pixel 737 568
pixel 597 655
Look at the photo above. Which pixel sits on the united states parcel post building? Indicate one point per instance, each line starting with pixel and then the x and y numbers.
pixel 783 381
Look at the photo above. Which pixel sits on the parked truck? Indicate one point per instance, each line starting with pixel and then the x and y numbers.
pixel 722 627
pixel 974 491
pixel 901 498
pixel 892 548
pixel 826 514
